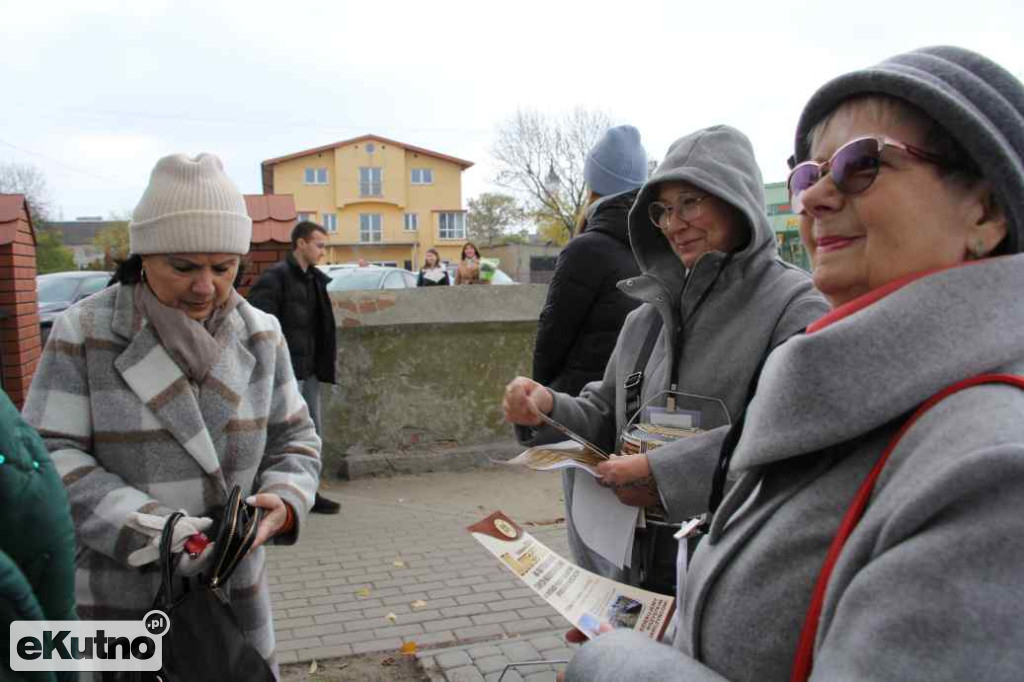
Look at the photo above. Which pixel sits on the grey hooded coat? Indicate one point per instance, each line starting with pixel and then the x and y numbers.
pixel 930 585
pixel 727 314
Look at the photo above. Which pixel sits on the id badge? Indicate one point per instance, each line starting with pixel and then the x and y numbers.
pixel 677 418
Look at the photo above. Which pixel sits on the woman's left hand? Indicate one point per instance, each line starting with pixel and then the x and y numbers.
pixel 273 518
pixel 630 478
pixel 575 636
pixel 624 469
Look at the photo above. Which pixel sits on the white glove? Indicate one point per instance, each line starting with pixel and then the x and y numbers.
pixel 153 526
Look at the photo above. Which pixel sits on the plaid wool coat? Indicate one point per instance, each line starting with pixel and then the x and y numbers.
pixel 129 432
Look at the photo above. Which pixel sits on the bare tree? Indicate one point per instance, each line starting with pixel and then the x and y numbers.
pixel 492 216
pixel 21 178
pixel 542 157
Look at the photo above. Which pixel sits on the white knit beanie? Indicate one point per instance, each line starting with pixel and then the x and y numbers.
pixel 190 206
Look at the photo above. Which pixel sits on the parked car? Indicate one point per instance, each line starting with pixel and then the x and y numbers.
pixel 354 278
pixel 57 291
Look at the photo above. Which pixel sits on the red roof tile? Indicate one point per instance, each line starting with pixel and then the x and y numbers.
pixel 11 206
pixel 12 209
pixel 256 205
pixel 462 163
pixel 281 207
pixel 273 217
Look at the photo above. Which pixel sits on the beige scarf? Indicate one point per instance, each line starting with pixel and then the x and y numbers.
pixel 190 343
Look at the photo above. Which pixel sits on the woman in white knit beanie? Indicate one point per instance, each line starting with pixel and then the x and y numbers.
pixel 166 390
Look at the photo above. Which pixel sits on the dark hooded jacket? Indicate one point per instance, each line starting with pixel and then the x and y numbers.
pixel 584 311
pixel 299 300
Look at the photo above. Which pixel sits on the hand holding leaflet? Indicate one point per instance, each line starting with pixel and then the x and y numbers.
pixel 572 435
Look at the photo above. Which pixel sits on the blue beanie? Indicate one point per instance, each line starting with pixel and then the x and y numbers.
pixel 617 163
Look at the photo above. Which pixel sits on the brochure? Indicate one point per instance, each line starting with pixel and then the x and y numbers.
pixel 557 456
pixel 585 599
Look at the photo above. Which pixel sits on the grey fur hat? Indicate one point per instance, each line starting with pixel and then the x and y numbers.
pixel 978 102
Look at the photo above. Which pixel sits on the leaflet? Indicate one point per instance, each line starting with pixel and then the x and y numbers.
pixel 585 599
pixel 557 456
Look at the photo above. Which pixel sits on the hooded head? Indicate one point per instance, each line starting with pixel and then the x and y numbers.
pixel 718 161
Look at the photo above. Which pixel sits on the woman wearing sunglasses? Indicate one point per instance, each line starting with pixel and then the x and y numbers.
pixel 718 299
pixel 873 531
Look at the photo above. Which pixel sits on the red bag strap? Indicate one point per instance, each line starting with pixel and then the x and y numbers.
pixel 805 650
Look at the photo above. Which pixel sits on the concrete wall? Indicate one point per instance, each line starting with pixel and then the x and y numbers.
pixel 421 374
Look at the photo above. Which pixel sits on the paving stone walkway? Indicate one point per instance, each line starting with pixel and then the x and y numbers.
pixel 381 574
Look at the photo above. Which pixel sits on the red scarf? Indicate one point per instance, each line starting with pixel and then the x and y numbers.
pixel 861 302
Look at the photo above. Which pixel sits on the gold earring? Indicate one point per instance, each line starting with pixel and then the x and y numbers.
pixel 977 248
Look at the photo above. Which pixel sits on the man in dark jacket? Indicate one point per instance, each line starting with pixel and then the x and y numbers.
pixel 295 292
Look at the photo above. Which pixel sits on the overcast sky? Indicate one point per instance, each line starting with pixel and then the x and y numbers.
pixel 94 92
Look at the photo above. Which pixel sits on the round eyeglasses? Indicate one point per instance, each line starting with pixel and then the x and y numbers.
pixel 686 209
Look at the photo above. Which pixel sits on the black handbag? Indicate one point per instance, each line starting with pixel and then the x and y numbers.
pixel 204 640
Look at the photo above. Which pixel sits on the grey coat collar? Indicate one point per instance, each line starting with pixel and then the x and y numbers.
pixel 885 359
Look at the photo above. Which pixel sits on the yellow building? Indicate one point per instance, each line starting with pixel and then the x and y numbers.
pixel 383 201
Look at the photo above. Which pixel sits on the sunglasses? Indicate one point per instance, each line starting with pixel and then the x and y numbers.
pixel 853 168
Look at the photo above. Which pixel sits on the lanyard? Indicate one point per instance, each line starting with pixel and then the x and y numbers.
pixel 677 351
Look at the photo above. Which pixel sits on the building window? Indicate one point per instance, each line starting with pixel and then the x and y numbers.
pixel 369 227
pixel 304 216
pixel 369 182
pixel 422 176
pixel 331 222
pixel 412 221
pixel 316 176
pixel 452 225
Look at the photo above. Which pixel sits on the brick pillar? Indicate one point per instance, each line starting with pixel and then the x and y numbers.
pixel 19 329
pixel 261 257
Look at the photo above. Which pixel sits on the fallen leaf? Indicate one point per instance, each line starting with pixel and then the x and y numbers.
pixel 549 522
pixel 399 563
pixel 392 618
pixel 387 661
pixel 364 592
pixel 409 648
pixel 313 668
pixel 418 604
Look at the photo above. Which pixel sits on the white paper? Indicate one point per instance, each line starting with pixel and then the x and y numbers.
pixel 604 524
pixel 554 457
pixel 588 601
